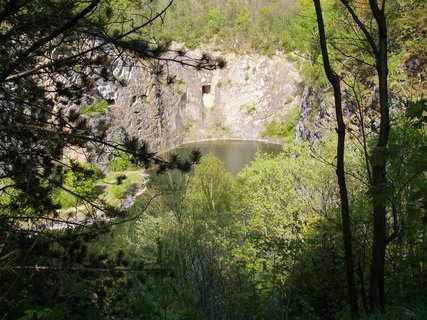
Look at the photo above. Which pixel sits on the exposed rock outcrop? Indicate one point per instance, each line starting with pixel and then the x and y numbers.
pixel 238 101
pixel 235 102
pixel 315 118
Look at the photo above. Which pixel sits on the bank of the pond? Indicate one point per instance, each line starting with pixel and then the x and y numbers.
pixel 235 154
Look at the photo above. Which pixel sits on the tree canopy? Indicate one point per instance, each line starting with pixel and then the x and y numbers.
pixel 51 53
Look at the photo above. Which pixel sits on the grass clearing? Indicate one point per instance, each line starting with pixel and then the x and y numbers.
pixel 110 189
pixel 115 185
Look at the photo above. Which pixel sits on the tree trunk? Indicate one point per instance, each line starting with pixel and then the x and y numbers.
pixel 378 44
pixel 345 214
pixel 376 280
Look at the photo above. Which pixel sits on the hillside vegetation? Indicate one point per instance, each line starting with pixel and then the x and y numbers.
pixel 242 26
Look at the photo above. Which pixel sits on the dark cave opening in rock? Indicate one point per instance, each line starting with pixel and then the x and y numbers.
pixel 206 89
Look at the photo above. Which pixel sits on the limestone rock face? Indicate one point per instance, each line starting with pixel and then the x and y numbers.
pixel 315 116
pixel 236 102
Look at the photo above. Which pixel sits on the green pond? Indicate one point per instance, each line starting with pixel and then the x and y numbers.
pixel 236 154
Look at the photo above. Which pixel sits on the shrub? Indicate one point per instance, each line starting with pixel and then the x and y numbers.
pixel 284 130
pixel 120 161
pixel 250 108
pixel 187 126
pixel 80 179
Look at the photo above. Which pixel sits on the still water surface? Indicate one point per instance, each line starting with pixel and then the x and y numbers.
pixel 236 154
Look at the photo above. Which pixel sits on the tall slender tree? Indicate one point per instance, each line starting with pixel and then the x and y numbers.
pixel 335 81
pixel 376 38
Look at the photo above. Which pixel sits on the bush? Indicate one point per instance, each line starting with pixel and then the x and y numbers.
pixel 250 108
pixel 120 162
pixel 80 179
pixel 243 20
pixel 284 130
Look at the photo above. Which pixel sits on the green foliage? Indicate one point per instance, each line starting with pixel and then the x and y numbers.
pixel 267 243
pixel 285 130
pixel 179 91
pixel 120 189
pixel 406 58
pixel 243 21
pixel 233 25
pixel 173 79
pixel 398 312
pixel 116 185
pixel 187 126
pixel 79 185
pixel 120 161
pixel 210 190
pixel 213 21
pixel 417 111
pixel 250 108
pixel 97 107
pixel 271 130
pixel 239 237
pixel 37 314
pixel 406 166
pixel 358 72
pixel 298 34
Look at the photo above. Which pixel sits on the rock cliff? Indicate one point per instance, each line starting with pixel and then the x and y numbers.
pixel 315 116
pixel 187 104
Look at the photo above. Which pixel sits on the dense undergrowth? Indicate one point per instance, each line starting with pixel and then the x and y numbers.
pixel 263 245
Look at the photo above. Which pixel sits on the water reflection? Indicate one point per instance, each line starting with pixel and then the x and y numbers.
pixel 235 154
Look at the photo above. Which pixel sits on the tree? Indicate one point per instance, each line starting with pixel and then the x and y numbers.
pixel 51 52
pixel 375 41
pixel 340 171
